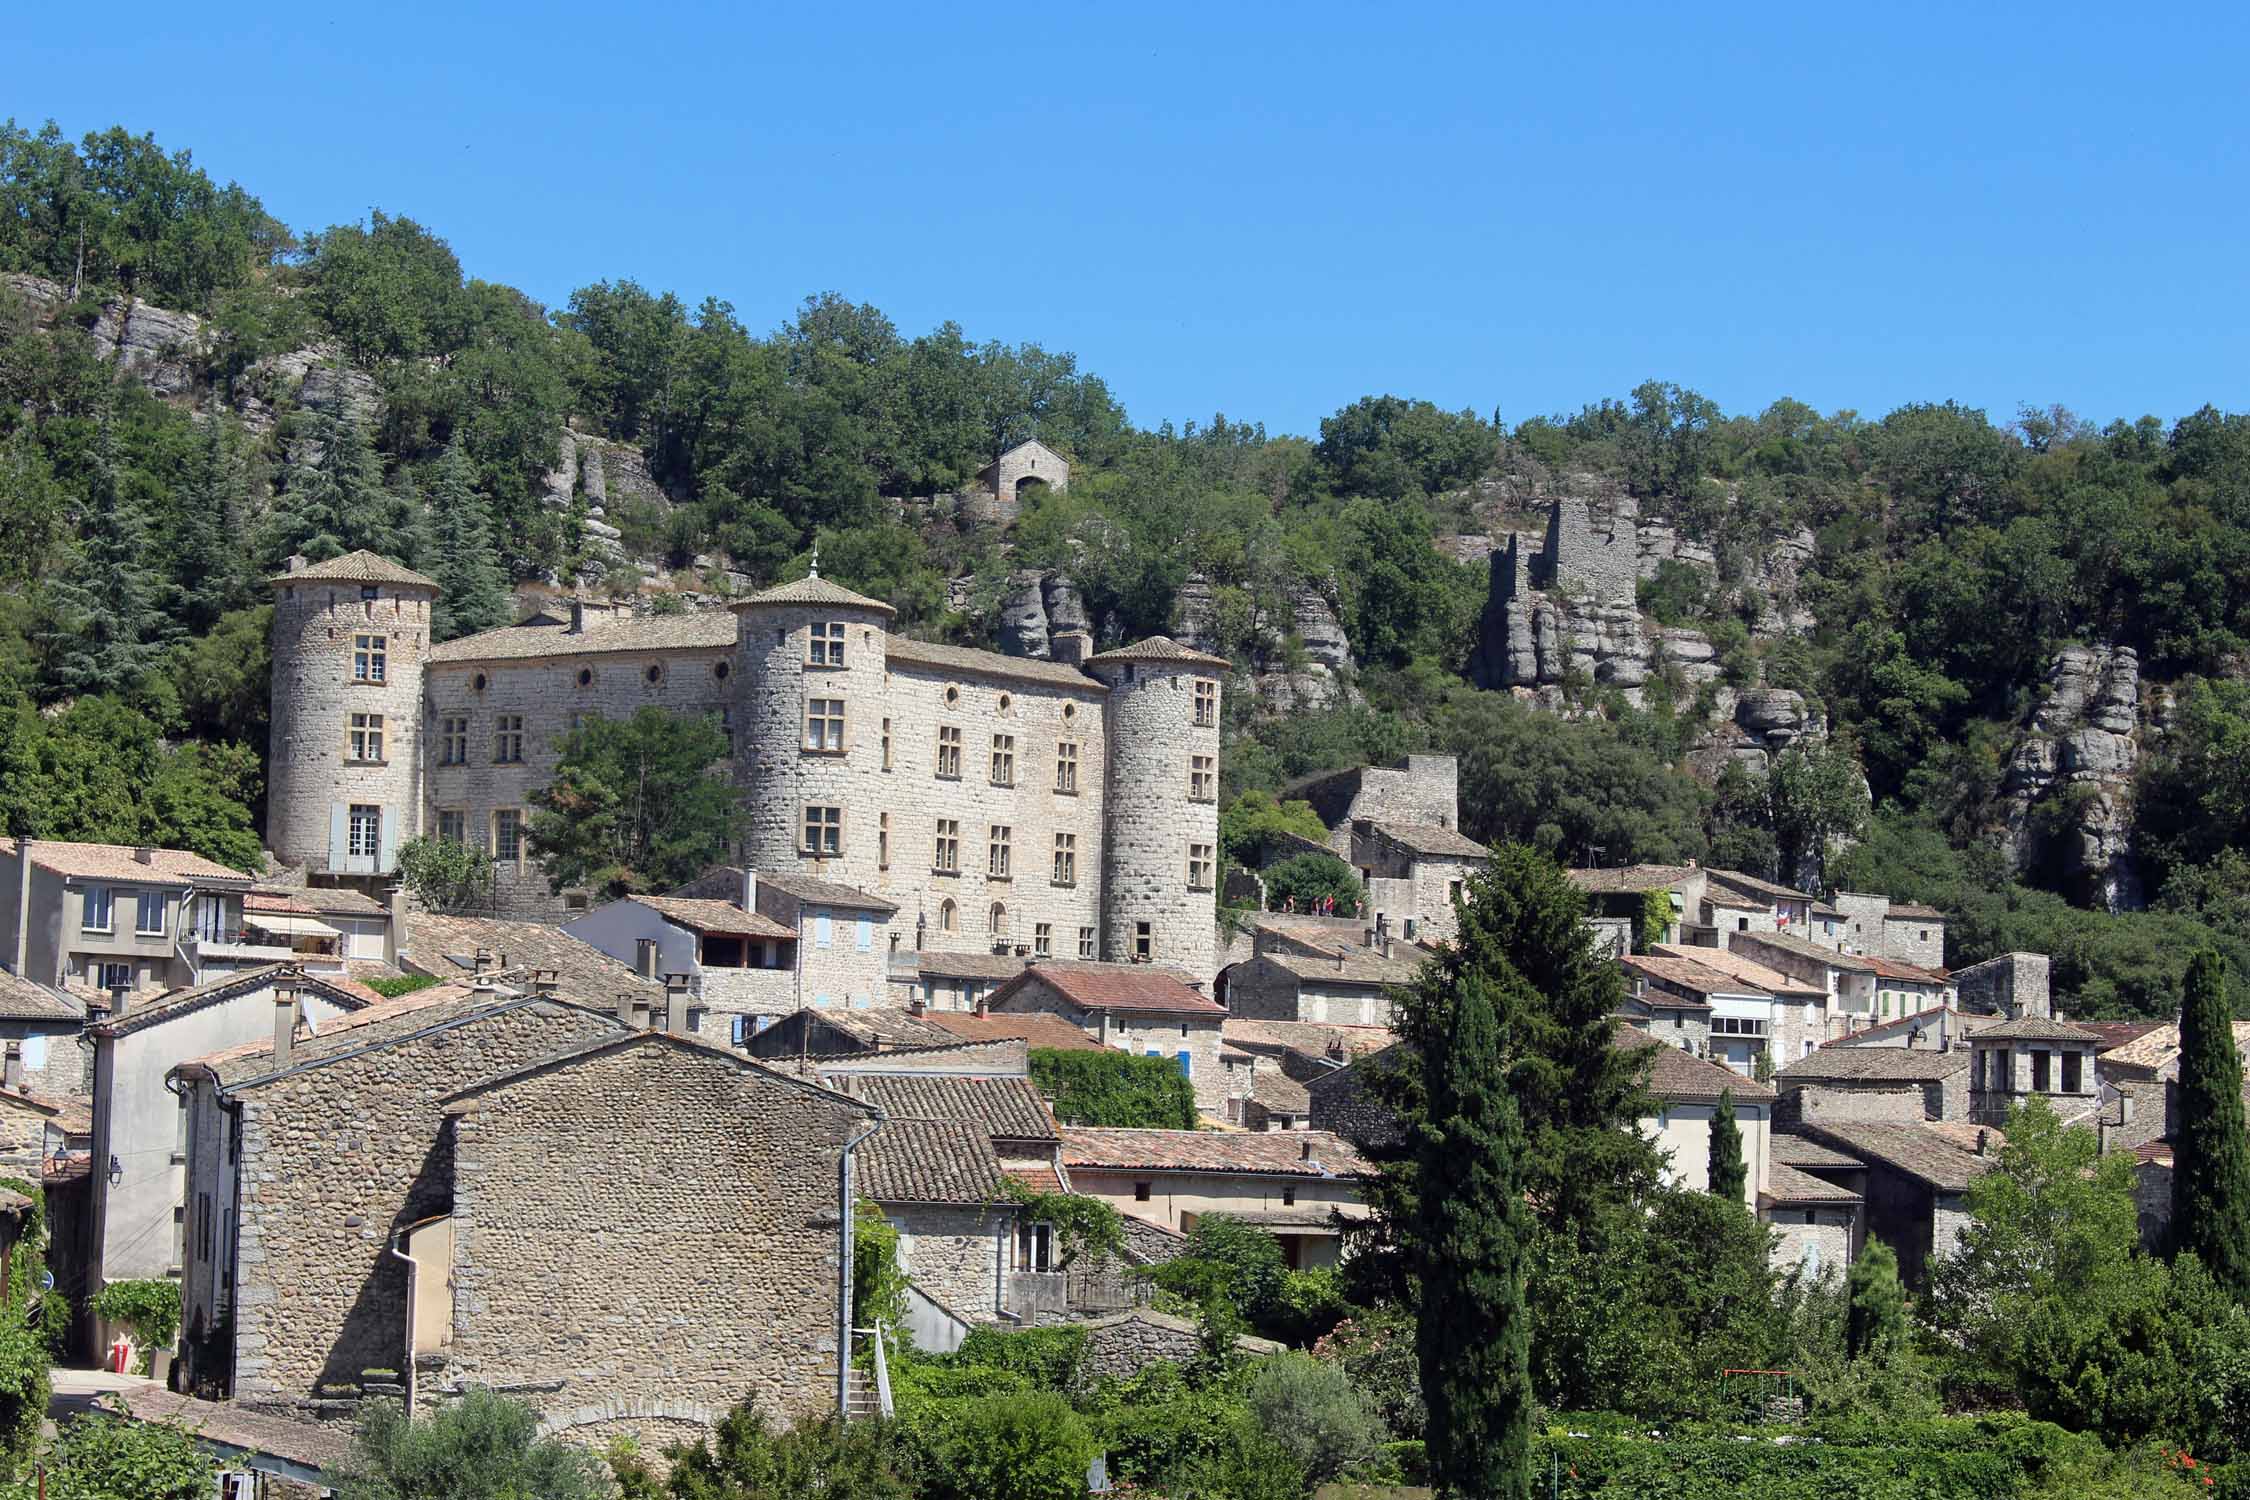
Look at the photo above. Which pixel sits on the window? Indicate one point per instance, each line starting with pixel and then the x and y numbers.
pixel 1043 939
pixel 507 740
pixel 1203 778
pixel 1140 1192
pixel 948 916
pixel 453 826
pixel 824 724
pixel 507 835
pixel 824 830
pixel 1034 1247
pixel 1288 1197
pixel 367 658
pixel 1737 1026
pixel 996 920
pixel 1003 840
pixel 96 917
pixel 1206 702
pixel 883 842
pixel 585 676
pixel 827 646
pixel 654 673
pixel 365 741
pixel 2073 1077
pixel 886 744
pixel 1187 1064
pixel 115 976
pixel 148 921
pixel 1143 942
pixel 368 593
pixel 1066 859
pixel 453 740
pixel 364 831
pixel 947 860
pixel 1199 867
pixel 2039 1074
pixel 1005 702
pixel 1003 760
pixel 1085 942
pixel 949 751
pixel 1066 767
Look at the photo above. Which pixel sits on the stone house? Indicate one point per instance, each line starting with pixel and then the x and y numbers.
pixel 1815 1204
pixel 41 1030
pixel 1304 1051
pixel 1769 906
pixel 1302 1186
pixel 1349 987
pixel 1415 874
pixel 1918 1171
pixel 311 1152
pixel 1940 1076
pixel 139 1194
pixel 1616 899
pixel 1668 1012
pixel 2014 985
pixel 1707 1011
pixel 1906 931
pixel 1347 1101
pixel 1798 1009
pixel 1027 469
pixel 97 917
pixel 2034 1055
pixel 1687 1092
pixel 938 980
pixel 1848 981
pixel 740 964
pixel 669 1169
pixel 1147 1011
pixel 368 931
pixel 1904 990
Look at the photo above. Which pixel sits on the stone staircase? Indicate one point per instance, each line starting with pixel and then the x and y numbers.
pixel 861 1399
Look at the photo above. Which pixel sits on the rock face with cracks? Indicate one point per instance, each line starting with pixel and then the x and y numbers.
pixel 2067 803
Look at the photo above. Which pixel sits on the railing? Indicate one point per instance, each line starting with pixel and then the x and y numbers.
pixel 882 1369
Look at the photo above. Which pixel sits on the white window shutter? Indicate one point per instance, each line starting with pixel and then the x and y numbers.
pixel 339 833
pixel 389 860
pixel 866 934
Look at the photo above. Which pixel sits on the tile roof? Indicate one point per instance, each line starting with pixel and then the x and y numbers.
pixel 226 1425
pixel 1915 911
pixel 1006 1108
pixel 2115 1034
pixel 1726 900
pixel 823 892
pixel 1781 942
pixel 1627 879
pixel 1740 966
pixel 173 1004
pixel 1687 973
pixel 362 566
pixel 1035 1028
pixel 1677 1077
pixel 1158 648
pixel 1834 1064
pixel 1936 1017
pixel 1796 1150
pixel 118 862
pixel 1429 838
pixel 890 1025
pixel 1279 1092
pixel 969 661
pixel 1313 1038
pixel 275 901
pixel 447 946
pixel 929 1161
pixel 1785 1184
pixel 328 900
pixel 1362 967
pixel 1919 1151
pixel 22 1000
pixel 697 630
pixel 1278 1153
pixel 1758 886
pixel 1135 988
pixel 949 965
pixel 722 917
pixel 2035 1029
pixel 71 1116
pixel 1891 968
pixel 386 1021
pixel 812 589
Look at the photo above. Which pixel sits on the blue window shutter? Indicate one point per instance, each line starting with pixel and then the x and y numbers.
pixel 1187 1065
pixel 820 931
pixel 866 934
pixel 339 815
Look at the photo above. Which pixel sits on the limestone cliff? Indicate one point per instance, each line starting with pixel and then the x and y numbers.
pixel 2067 803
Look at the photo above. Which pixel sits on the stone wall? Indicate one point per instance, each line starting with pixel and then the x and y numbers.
pixel 1124 1343
pixel 955 1252
pixel 649 1227
pixel 2013 985
pixel 1824 1104
pixel 1822 1244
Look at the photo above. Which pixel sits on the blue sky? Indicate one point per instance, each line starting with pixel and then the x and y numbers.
pixel 1270 211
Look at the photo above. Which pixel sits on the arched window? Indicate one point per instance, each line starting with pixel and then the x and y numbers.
pixel 948 919
pixel 999 920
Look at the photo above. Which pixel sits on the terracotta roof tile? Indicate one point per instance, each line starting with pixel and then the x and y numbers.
pixel 447 947
pixel 1919 1151
pixel 1781 942
pixel 1342 1044
pixel 1136 988
pixel 1430 839
pixel 940 964
pixel 23 1000
pixel 1007 1108
pixel 1688 974
pixel 1797 1150
pixel 1032 1027
pixel 1677 1077
pixel 722 917
pixel 1279 1092
pixel 1913 911
pixel 824 892
pixel 1785 1184
pixel 1278 1153
pixel 1159 648
pixel 118 862
pixel 1754 885
pixel 173 1004
pixel 1628 879
pixel 1739 966
pixel 929 1161
pixel 1835 1064
pixel 969 661
pixel 358 567
pixel 2036 1029
pixel 382 1021
pixel 1361 967
pixel 1891 968
pixel 812 590
pixel 697 630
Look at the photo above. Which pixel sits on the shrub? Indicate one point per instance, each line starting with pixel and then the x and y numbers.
pixel 1308 1407
pixel 404 984
pixel 102 1458
pixel 485 1445
pixel 1008 1448
pixel 1047 1358
pixel 744 1459
pixel 1114 1088
pixel 148 1310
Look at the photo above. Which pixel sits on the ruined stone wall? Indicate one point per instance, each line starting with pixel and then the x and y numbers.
pixel 1592 556
pixel 649 1229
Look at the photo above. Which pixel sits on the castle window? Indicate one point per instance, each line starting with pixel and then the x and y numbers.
pixel 952 697
pixel 1086 942
pixel 996 920
pixel 364 831
pixel 655 673
pixel 453 740
pixel 1066 859
pixel 1203 778
pixel 824 831
pixel 507 835
pixel 949 752
pixel 1206 702
pixel 1003 760
pixel 827 645
pixel 947 858
pixel 507 740
pixel 1066 768
pixel 1002 848
pixel 585 676
pixel 1070 712
pixel 883 842
pixel 453 826
pixel 365 741
pixel 1144 942
pixel 478 682
pixel 368 652
pixel 1199 867
pixel 368 593
pixel 719 670
pixel 1006 702
pixel 824 724
pixel 948 916
pixel 1042 939
pixel 886 744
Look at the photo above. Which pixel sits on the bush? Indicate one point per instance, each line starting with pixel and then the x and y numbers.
pixel 1115 1089
pixel 485 1445
pixel 744 1459
pixel 1008 1448
pixel 404 984
pixel 1046 1358
pixel 1308 1406
pixel 102 1458
pixel 149 1311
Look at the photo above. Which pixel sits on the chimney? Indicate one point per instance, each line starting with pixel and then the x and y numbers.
pixel 11 1070
pixel 480 961
pixel 577 617
pixel 676 1004
pixel 1304 1151
pixel 749 888
pixel 632 1010
pixel 914 1005
pixel 545 981
pixel 295 564
pixel 644 957
pixel 145 855
pixel 394 930
pixel 284 1026
pixel 1070 648
pixel 120 996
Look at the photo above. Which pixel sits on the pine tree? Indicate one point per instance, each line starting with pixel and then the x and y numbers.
pixel 336 503
pixel 110 627
pixel 1875 1315
pixel 208 565
pixel 1730 1175
pixel 2211 1158
pixel 461 556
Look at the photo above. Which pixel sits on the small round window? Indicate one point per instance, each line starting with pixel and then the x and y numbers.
pixel 952 696
pixel 1070 711
pixel 720 671
pixel 1004 702
pixel 477 682
pixel 585 676
pixel 654 673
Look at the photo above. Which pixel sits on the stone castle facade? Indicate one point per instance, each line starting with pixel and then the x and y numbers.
pixel 1064 808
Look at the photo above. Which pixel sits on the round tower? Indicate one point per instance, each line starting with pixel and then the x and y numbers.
pixel 808 711
pixel 1160 843
pixel 344 773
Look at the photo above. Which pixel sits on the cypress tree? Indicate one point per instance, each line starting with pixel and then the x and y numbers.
pixel 461 556
pixel 335 503
pixel 1875 1317
pixel 110 627
pixel 1730 1174
pixel 205 552
pixel 2211 1158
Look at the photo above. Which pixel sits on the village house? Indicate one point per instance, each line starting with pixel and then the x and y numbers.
pixel 1705 1010
pixel 1918 1171
pixel 1759 904
pixel 1147 1011
pixel 40 1029
pixel 1398 827
pixel 1798 1018
pixel 104 917
pixel 2033 1056
pixel 466 948
pixel 741 965
pixel 1302 1186
pixel 1687 1091
pixel 1847 980
pixel 1667 1009
pixel 1904 931
pixel 1814 1204
pixel 1941 1077
pixel 1617 900
pixel 1348 986
pixel 938 980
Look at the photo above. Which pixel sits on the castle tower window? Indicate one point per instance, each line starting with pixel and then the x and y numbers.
pixel 824 724
pixel 655 673
pixel 1070 712
pixel 823 831
pixel 952 697
pixel 947 857
pixel 1005 702
pixel 1066 768
pixel 368 653
pixel 365 831
pixel 507 835
pixel 1086 942
pixel 1144 942
pixel 826 648
pixel 883 842
pixel 453 826
pixel 1199 867
pixel 507 740
pixel 1203 778
pixel 364 742
pixel 1066 859
pixel 948 916
pixel 1042 939
pixel 368 593
pixel 585 676
pixel 1206 702
pixel 719 670
pixel 453 740
pixel 1002 848
pixel 1003 760
pixel 886 744
pixel 949 752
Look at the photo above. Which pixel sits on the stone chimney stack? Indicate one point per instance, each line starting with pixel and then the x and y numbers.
pixel 480 961
pixel 545 981
pixel 644 957
pixel 749 888
pixel 120 998
pixel 145 854
pixel 11 1068
pixel 1070 648
pixel 676 1004
pixel 394 930
pixel 284 1026
pixel 577 617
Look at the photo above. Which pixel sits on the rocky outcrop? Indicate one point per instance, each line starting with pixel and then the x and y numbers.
pixel 154 345
pixel 1034 607
pixel 2067 800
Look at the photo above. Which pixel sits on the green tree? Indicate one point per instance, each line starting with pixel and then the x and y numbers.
pixel 1729 1172
pixel 744 1458
pixel 1819 798
pixel 1310 1407
pixel 1027 1447
pixel 335 502
pixel 483 1445
pixel 1657 917
pixel 208 566
pixel 638 804
pixel 110 628
pixel 1301 881
pixel 2211 1172
pixel 105 1458
pixel 390 290
pixel 446 875
pixel 1256 815
pixel 462 560
pixel 1876 1319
